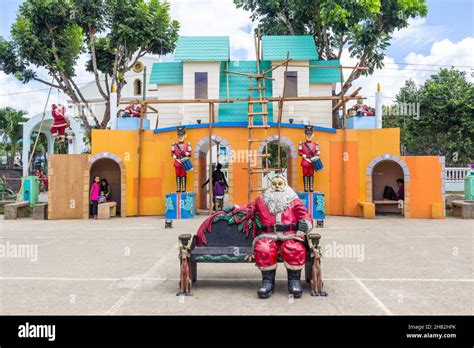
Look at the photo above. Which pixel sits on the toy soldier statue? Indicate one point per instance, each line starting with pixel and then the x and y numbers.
pixel 309 150
pixel 282 222
pixel 180 152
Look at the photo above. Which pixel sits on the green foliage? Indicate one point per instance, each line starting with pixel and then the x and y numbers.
pixel 52 34
pixel 445 125
pixel 364 26
pixel 11 130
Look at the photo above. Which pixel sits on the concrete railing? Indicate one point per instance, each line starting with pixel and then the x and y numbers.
pixel 456 174
pixel 454 178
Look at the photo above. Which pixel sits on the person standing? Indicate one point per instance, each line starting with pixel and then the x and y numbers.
pixel 94 196
pixel 219 183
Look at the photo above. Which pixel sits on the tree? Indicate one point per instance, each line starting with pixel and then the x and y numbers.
pixel 11 131
pixel 445 125
pixel 52 34
pixel 365 27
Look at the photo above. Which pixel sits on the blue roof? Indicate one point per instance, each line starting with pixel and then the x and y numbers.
pixel 167 73
pixel 325 75
pixel 202 49
pixel 300 47
pixel 239 88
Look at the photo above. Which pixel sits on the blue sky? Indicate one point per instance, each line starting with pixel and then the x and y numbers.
pixel 444 38
pixel 452 19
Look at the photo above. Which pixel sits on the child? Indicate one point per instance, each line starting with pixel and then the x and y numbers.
pixel 102 197
pixel 94 196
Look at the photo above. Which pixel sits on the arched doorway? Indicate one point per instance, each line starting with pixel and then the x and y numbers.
pixel 110 166
pixel 221 152
pixel 384 171
pixel 287 159
pixel 75 135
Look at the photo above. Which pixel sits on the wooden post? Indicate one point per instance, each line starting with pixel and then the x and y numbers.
pixel 211 184
pixel 344 164
pixel 139 174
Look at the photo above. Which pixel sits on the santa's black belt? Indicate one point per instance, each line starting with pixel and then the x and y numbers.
pixel 279 228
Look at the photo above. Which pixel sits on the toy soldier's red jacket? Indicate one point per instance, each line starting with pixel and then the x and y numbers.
pixel 303 150
pixel 60 122
pixel 279 233
pixel 180 150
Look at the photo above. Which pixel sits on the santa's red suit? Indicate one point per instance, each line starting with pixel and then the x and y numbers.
pixel 179 151
pixel 307 150
pixel 279 234
pixel 60 122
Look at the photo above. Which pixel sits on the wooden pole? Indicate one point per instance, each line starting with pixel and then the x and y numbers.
pixel 139 174
pixel 344 155
pixel 211 184
pixel 280 111
pixel 232 100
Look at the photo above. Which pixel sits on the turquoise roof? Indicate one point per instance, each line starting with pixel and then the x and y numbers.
pixel 317 75
pixel 167 73
pixel 301 47
pixel 239 88
pixel 202 49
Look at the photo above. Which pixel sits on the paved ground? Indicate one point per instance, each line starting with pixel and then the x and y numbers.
pixel 130 266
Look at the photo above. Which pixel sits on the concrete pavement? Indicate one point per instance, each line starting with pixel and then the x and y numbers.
pixel 130 266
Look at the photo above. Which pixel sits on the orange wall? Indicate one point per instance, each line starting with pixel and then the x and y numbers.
pixel 158 179
pixel 425 184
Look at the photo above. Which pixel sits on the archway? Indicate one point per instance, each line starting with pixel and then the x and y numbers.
pixel 75 141
pixel 221 151
pixel 288 158
pixel 384 171
pixel 109 166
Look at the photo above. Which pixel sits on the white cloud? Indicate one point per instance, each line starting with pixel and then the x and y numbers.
pixel 419 67
pixel 217 17
pixel 417 34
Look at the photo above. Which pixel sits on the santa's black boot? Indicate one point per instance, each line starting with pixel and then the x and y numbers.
pixel 178 184
pixel 294 283
pixel 305 182
pixel 183 184
pixel 268 284
pixel 311 183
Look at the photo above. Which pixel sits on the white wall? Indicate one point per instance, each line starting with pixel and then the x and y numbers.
pixel 193 112
pixel 320 112
pixel 296 110
pixel 169 114
pixel 91 92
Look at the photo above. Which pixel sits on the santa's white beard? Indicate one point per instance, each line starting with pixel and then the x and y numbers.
pixel 278 201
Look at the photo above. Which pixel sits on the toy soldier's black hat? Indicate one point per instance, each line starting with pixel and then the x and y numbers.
pixel 308 129
pixel 180 130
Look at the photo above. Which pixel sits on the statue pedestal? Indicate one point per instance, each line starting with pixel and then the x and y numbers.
pixel 180 205
pixel 314 202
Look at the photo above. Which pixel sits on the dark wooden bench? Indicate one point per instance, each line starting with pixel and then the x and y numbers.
pixel 225 244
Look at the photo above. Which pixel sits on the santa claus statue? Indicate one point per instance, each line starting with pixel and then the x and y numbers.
pixel 282 223
pixel 60 122
pixel 181 152
pixel 309 151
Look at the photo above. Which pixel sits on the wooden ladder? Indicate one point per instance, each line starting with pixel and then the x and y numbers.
pixel 262 101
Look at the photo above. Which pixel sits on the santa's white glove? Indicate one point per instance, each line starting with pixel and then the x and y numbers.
pixel 187 154
pixel 304 156
pixel 174 156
